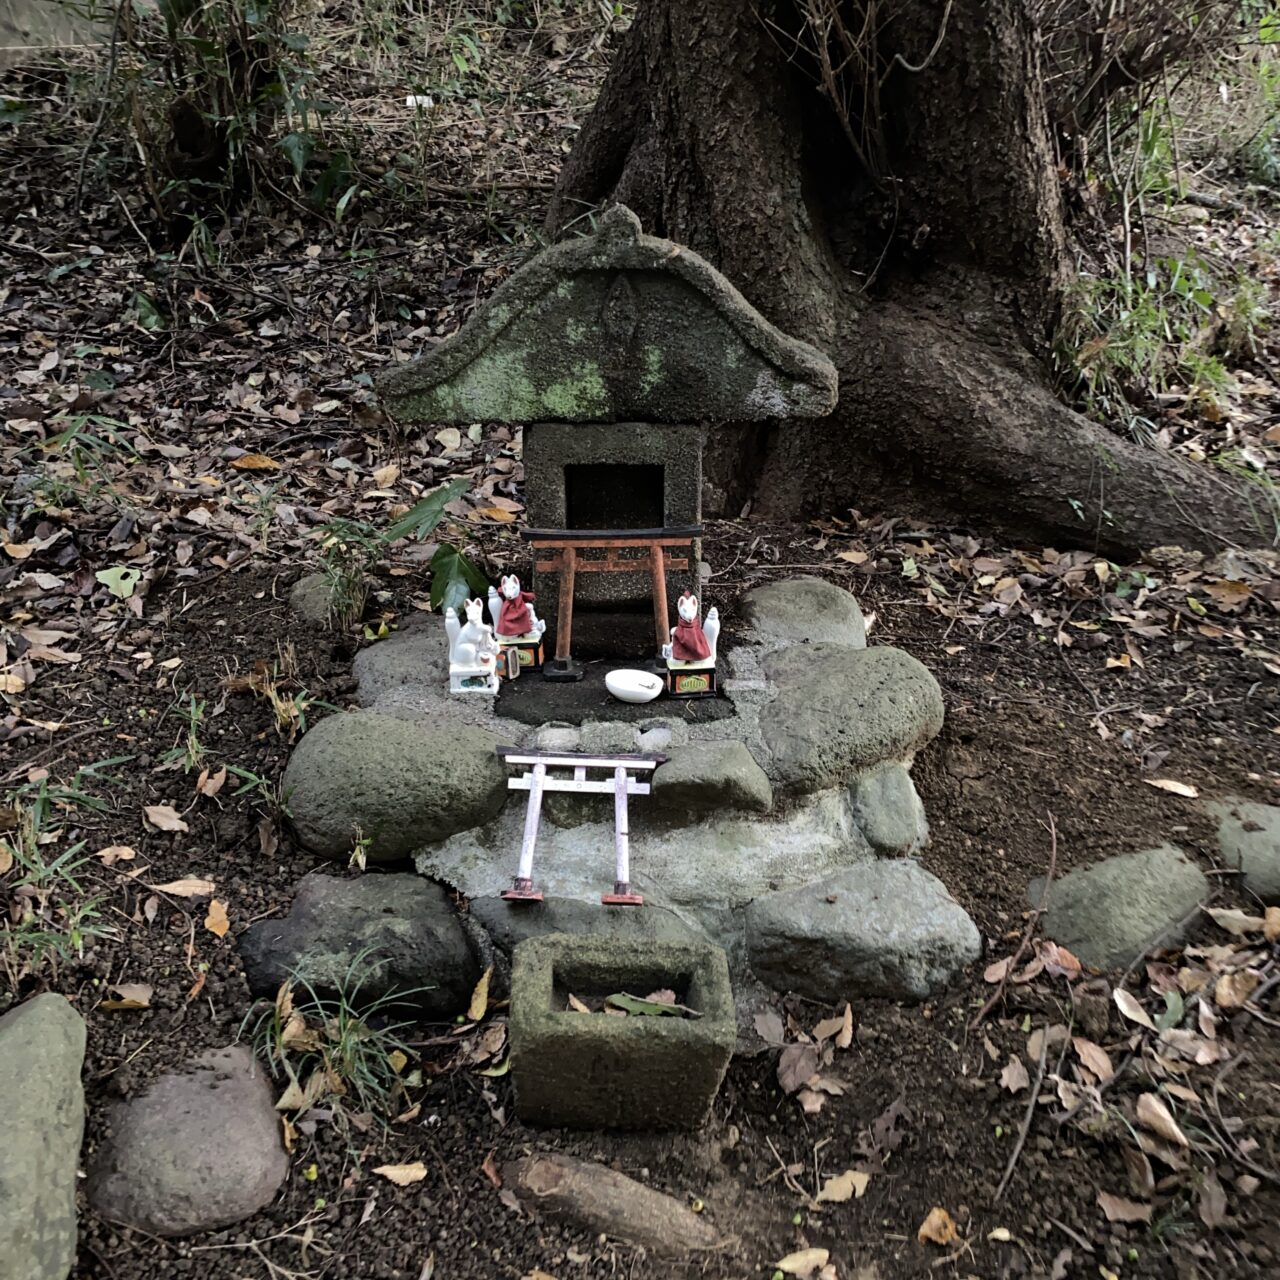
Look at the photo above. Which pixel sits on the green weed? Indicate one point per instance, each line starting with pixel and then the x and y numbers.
pixel 333 1046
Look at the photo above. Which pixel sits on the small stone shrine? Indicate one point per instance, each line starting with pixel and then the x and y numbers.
pixel 613 351
pixel 776 818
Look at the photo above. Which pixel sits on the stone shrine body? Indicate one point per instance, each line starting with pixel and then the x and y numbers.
pixel 613 352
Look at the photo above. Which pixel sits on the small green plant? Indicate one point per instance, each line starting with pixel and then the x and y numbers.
pixel 350 549
pixel 188 752
pixel 267 793
pixel 333 1046
pixel 1125 340
pixel 50 918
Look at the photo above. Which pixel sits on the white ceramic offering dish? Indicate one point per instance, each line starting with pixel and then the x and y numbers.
pixel 628 685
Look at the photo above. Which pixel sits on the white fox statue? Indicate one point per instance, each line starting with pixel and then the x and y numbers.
pixel 473 652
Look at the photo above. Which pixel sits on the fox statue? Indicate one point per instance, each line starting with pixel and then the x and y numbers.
pixel 473 652
pixel 691 640
pixel 512 610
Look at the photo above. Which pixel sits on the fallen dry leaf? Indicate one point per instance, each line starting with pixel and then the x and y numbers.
pixel 837 1026
pixel 796 1066
pixel 849 1185
pixel 1154 1115
pixel 255 462
pixel 114 853
pixel 210 785
pixel 403 1175
pixel 811 1101
pixel 938 1228
pixel 132 995
pixel 1119 1209
pixel 1132 1010
pixel 1232 990
pixel 480 996
pixel 1014 1077
pixel 1174 787
pixel 1212 1201
pixel 216 921
pixel 188 888
pixel 804 1264
pixel 1271 924
pixel 1094 1056
pixel 1236 922
pixel 164 817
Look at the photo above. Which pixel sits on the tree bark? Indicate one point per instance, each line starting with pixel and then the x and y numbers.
pixel 932 278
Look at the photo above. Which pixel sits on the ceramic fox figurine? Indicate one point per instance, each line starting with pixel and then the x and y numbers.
pixel 512 611
pixel 691 640
pixel 473 652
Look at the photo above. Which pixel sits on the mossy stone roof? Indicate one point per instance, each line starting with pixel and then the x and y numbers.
pixel 613 327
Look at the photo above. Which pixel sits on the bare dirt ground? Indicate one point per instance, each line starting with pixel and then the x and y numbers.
pixel 181 434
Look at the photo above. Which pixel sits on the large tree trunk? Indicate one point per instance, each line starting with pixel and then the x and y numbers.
pixel 922 248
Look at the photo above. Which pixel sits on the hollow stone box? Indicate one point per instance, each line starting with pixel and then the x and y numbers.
pixel 609 350
pixel 593 1071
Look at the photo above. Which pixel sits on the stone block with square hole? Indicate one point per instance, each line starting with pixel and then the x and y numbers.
pixel 597 1071
pixel 631 475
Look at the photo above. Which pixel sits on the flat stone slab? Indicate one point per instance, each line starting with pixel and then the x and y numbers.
pixel 396 935
pixel 1249 838
pixel 199 1150
pixel 510 923
pixel 396 783
pixel 804 610
pixel 594 1071
pixel 614 327
pixel 883 928
pixel 1111 912
pixel 41 1126
pixel 840 709
pixel 724 860
pixel 711 777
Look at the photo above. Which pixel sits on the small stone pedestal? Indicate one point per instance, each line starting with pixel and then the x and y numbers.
pixel 593 1071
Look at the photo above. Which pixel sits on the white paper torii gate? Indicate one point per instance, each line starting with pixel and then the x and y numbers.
pixel 537 780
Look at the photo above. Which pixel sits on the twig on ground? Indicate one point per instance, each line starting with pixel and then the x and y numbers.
pixel 1025 1127
pixel 998 994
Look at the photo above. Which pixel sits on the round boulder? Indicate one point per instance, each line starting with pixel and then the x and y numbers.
pixel 883 928
pixel 838 710
pixel 1249 837
pixel 804 610
pixel 1110 913
pixel 369 938
pixel 396 783
pixel 198 1151
pixel 310 599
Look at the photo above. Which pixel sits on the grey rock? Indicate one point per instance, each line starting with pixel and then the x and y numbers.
pixel 309 599
pixel 402 783
pixel 884 928
pixel 888 810
pixel 709 777
pixel 415 657
pixel 804 610
pixel 840 709
pixel 612 327
pixel 199 1150
pixel 509 924
pixel 725 859
pixel 398 933
pixel 1111 912
pixel 41 1125
pixel 1249 838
